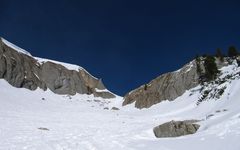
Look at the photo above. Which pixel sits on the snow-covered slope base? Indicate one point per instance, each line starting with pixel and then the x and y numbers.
pixel 38 120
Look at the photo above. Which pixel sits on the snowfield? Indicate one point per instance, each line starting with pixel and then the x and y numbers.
pixel 38 120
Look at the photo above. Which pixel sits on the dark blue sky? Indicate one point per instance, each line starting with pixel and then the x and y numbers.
pixel 127 43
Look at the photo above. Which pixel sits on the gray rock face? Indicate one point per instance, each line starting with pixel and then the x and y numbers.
pixel 176 128
pixel 165 87
pixel 24 71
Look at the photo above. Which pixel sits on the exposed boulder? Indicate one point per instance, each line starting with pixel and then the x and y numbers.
pixel 24 71
pixel 106 108
pixel 176 128
pixel 44 129
pixel 115 108
pixel 103 94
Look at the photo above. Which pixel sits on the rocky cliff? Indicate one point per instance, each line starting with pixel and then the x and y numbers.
pixel 165 87
pixel 22 70
pixel 168 86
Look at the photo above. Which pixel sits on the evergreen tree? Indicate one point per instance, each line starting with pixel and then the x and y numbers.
pixel 211 69
pixel 199 69
pixel 204 55
pixel 197 58
pixel 198 64
pixel 145 87
pixel 232 51
pixel 219 54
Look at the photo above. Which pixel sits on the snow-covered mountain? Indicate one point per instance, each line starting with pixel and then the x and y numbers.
pixel 41 117
pixel 22 70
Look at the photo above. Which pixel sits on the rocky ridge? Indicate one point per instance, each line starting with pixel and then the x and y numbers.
pixel 22 70
pixel 168 86
pixel 165 87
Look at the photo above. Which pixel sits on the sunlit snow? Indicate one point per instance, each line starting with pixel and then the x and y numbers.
pixel 83 122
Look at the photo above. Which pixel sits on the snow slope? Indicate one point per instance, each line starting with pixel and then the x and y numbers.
pixel 82 122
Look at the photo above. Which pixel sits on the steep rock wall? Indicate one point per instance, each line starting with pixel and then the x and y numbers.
pixel 24 71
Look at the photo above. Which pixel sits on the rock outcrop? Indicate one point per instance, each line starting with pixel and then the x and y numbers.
pixel 165 87
pixel 169 86
pixel 24 71
pixel 176 128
